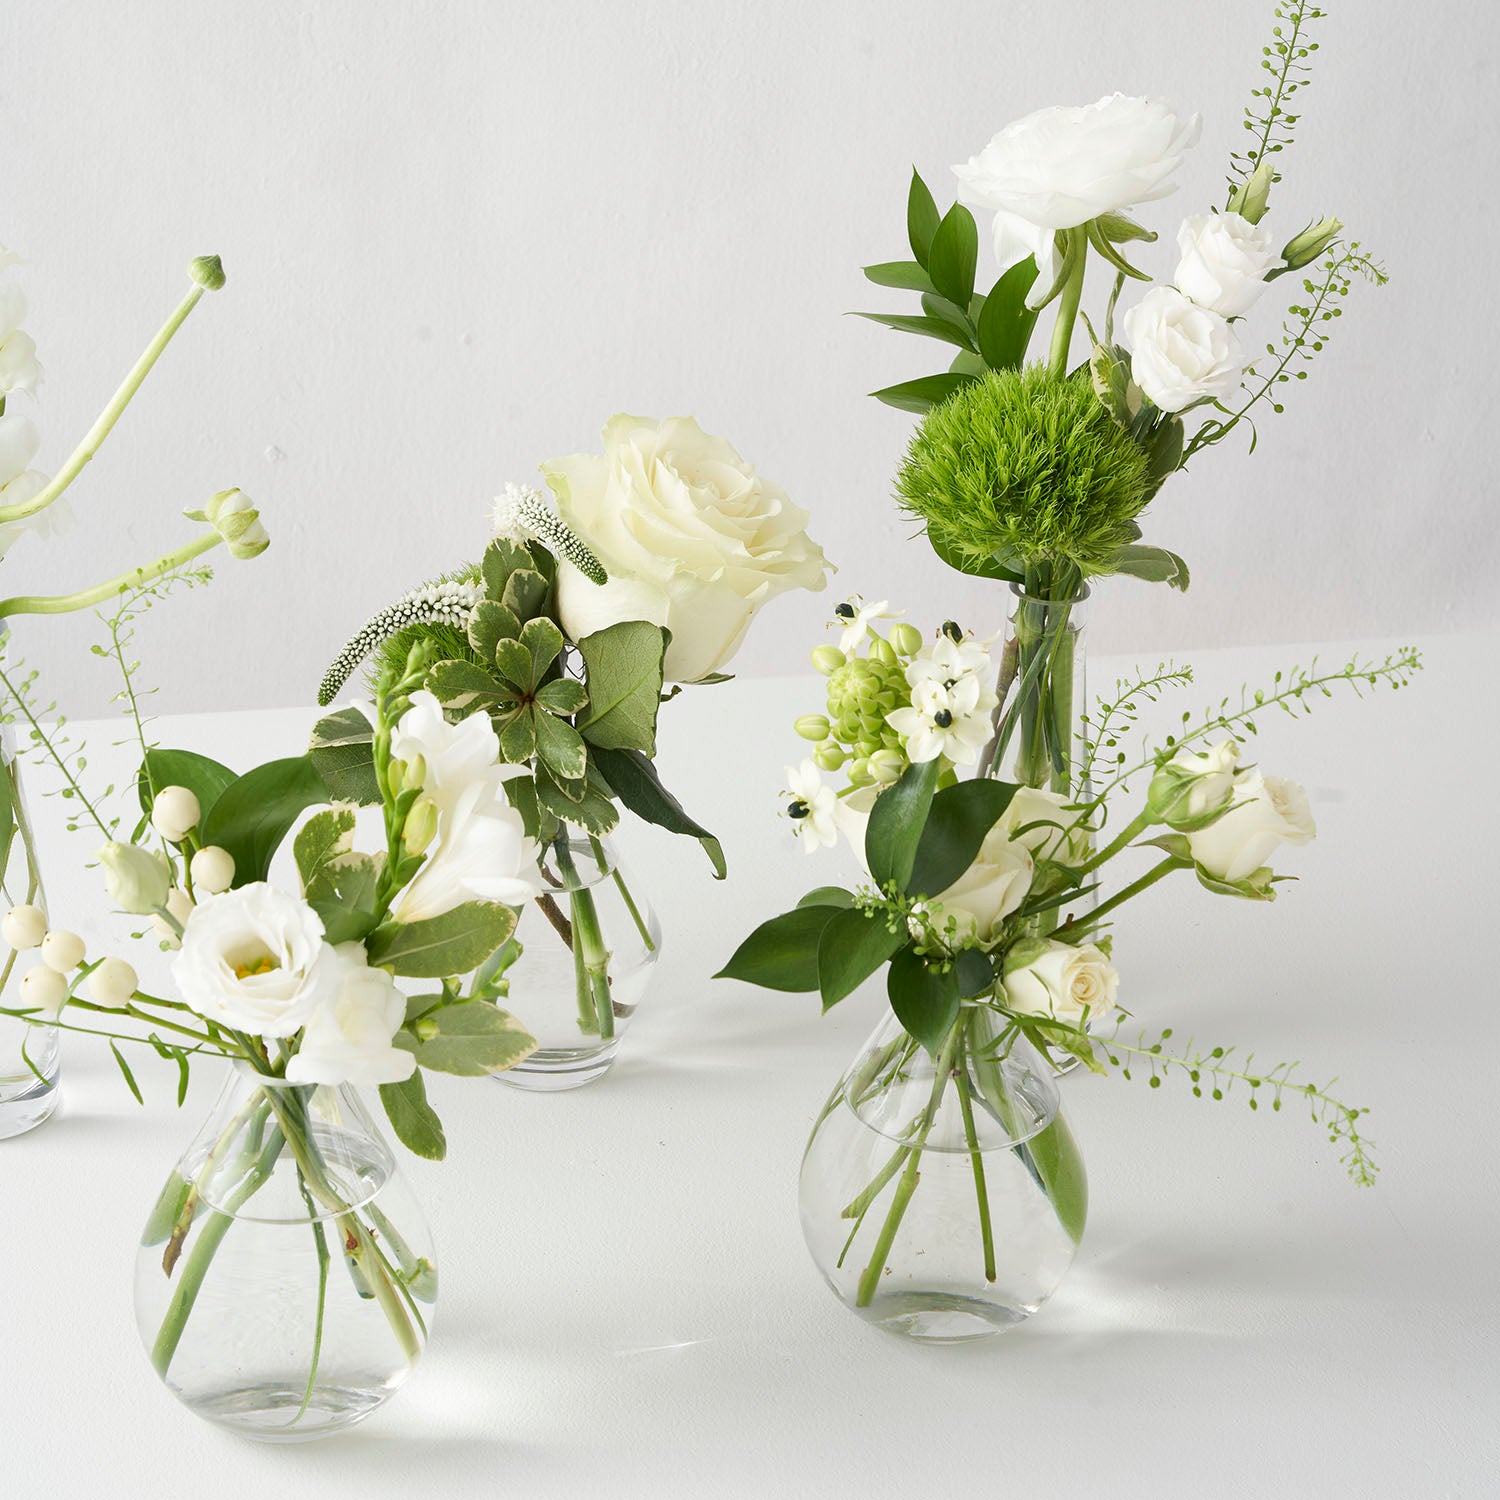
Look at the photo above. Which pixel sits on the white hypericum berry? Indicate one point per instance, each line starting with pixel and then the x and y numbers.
pixel 113 983
pixel 45 990
pixel 212 870
pixel 62 951
pixel 181 906
pixel 175 813
pixel 24 927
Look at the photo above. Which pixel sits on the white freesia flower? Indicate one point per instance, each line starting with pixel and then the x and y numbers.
pixel 1042 822
pixel 482 853
pixel 813 808
pixel 1061 167
pixel 1180 352
pixel 691 537
pixel 943 720
pixel 455 755
pixel 1224 262
pixel 348 1038
pixel 1270 811
pixel 254 960
pixel 1062 982
pixel 857 617
pixel 19 370
pixel 991 888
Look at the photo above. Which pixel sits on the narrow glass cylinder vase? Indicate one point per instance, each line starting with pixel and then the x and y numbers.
pixel 943 1198
pixel 285 1278
pixel 589 949
pixel 28 1053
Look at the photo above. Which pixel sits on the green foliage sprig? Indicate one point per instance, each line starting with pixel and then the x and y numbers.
pixel 1267 118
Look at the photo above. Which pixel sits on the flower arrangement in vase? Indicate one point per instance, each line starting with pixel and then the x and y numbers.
pixel 942 1193
pixel 579 622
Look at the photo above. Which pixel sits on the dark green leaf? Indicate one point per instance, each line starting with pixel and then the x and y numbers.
pixel 828 895
pixel 958 821
pixel 413 1119
pixel 635 782
pixel 471 1039
pixel 945 312
pixel 254 815
pixel 1005 323
pixel 577 802
pixel 923 394
pixel 921 217
pixel 976 567
pixel 895 826
pixel 906 275
pixel 455 943
pixel 513 662
pixel 852 947
pixel 974 971
pixel 623 670
pixel 501 559
pixel 954 255
pixel 342 751
pixel 134 1087
pixel 933 328
pixel 1154 564
pixel 925 1000
pixel 206 779
pixel 782 954
pixel 543 640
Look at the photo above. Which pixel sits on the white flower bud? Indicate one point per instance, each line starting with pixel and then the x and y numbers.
pixel 24 927
pixel 212 870
pixel 181 906
pixel 62 952
pixel 175 813
pixel 136 879
pixel 45 990
pixel 233 515
pixel 113 983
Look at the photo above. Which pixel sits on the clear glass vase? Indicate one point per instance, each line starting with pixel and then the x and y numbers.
pixel 943 1199
pixel 589 949
pixel 28 1054
pixel 285 1278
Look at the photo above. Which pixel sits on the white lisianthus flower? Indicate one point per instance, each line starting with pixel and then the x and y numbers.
pixel 691 537
pixel 857 617
pixel 945 720
pixel 1180 352
pixel 813 808
pixel 1194 784
pixel 1059 981
pixel 455 756
pixel 19 370
pixel 254 960
pixel 1224 262
pixel 1061 167
pixel 137 880
pixel 1269 812
pixel 987 892
pixel 348 1038
pixel 482 853
pixel 1040 821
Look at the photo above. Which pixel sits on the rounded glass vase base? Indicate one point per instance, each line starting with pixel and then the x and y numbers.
pixel 935 1318
pixel 554 1070
pixel 276 1414
pixel 25 1111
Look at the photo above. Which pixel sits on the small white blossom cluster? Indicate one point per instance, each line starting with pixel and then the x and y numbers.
pixel 522 514
pixel 951 701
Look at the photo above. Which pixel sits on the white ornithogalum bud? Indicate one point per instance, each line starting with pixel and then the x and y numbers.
pixel 887 765
pixel 62 952
pixel 180 906
pixel 212 870
pixel 233 515
pixel 24 927
pixel 827 659
pixel 175 813
pixel 45 990
pixel 136 880
pixel 113 983
pixel 812 727
pixel 906 639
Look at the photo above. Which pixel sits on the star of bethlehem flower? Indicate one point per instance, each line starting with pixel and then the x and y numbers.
pixel 942 720
pixel 857 617
pixel 813 809
pixel 949 661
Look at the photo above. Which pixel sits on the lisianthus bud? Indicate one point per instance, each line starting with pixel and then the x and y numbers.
pixel 1192 790
pixel 136 879
pixel 233 515
pixel 827 659
pixel 62 952
pixel 175 813
pixel 45 990
pixel 1254 193
pixel 812 727
pixel 24 927
pixel 1301 250
pixel 212 870
pixel 208 272
pixel 906 639
pixel 421 826
pixel 113 983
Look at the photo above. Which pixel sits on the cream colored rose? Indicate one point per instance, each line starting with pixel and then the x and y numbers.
pixel 991 888
pixel 1062 982
pixel 691 536
pixel 1041 823
pixel 1272 812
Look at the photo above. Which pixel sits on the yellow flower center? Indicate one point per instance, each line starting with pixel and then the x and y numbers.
pixel 261 963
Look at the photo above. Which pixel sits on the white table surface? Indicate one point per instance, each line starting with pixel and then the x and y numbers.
pixel 627 1306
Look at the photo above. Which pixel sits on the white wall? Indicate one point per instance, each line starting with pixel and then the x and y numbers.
pixel 460 235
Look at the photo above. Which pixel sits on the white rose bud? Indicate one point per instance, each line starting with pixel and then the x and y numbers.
pixel 62 952
pixel 1272 812
pixel 1181 353
pixel 1224 262
pixel 136 879
pixel 45 990
pixel 1056 980
pixel 212 870
pixel 24 927
pixel 175 813
pixel 1192 788
pixel 113 983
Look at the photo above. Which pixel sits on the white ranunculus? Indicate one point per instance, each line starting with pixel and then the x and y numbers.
pixel 1180 352
pixel 455 756
pixel 1036 820
pixel 691 537
pixel 987 892
pixel 482 853
pixel 1061 167
pixel 1062 982
pixel 348 1038
pixel 254 959
pixel 1271 812
pixel 1224 262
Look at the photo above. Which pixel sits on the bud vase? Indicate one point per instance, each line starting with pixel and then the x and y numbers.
pixel 28 1054
pixel 284 1282
pixel 943 1198
pixel 589 950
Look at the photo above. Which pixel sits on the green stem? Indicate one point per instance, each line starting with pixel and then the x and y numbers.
pixel 976 1156
pixel 588 939
pixel 62 604
pixel 1068 300
pixel 624 890
pixel 320 1242
pixel 1138 824
pixel 107 418
pixel 1072 929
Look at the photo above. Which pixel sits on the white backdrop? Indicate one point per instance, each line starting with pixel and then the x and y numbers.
pixel 460 235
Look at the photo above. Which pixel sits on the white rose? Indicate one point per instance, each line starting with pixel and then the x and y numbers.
pixel 1061 167
pixel 348 1038
pixel 255 960
pixel 987 892
pixel 1195 783
pixel 1224 262
pixel 1273 812
pixel 1038 821
pixel 1181 352
pixel 691 537
pixel 1063 982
